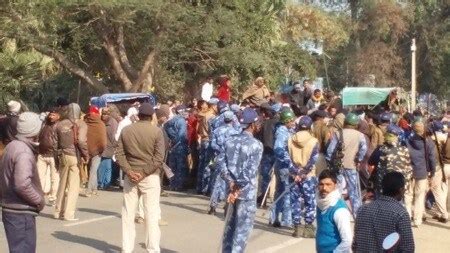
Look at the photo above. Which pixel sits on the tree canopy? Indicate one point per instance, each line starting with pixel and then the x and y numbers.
pixel 169 47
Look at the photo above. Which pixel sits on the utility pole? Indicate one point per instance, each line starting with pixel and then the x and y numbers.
pixel 413 74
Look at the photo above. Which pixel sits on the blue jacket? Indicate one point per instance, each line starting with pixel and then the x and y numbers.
pixel 240 162
pixel 220 136
pixel 176 130
pixel 416 147
pixel 280 147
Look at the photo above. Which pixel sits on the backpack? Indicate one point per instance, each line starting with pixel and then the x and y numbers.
pixel 336 163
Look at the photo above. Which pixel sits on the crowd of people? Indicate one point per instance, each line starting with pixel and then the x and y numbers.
pixel 377 167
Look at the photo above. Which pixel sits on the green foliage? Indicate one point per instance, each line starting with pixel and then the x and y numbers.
pixel 22 71
pixel 194 39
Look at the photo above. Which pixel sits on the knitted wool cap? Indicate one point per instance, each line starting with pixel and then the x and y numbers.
pixel 14 106
pixel 28 124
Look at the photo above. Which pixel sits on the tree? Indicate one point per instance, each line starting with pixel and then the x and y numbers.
pixel 430 27
pixel 22 71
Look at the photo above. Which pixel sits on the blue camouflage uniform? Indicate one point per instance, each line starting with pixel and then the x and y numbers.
pixel 215 123
pixel 176 130
pixel 305 191
pixel 239 164
pixel 283 167
pixel 219 137
pixel 350 175
pixel 219 121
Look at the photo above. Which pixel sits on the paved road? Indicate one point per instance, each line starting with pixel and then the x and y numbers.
pixel 189 230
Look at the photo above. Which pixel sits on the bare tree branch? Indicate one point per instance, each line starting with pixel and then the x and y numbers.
pixel 108 45
pixel 148 63
pixel 123 54
pixel 71 67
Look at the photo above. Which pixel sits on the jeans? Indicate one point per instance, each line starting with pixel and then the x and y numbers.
pixel 105 172
pixel 20 229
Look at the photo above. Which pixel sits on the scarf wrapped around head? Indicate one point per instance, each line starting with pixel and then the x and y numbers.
pixel 330 199
pixel 391 139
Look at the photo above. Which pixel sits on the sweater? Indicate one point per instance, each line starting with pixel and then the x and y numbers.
pixel 141 148
pixel 354 147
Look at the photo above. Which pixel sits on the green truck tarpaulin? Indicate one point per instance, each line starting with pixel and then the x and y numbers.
pixel 364 95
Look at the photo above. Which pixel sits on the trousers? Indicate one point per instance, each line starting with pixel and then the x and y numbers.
pixel 267 162
pixel 219 191
pixel 416 193
pixel 93 171
pixel 349 179
pixel 303 198
pixel 204 174
pixel 69 187
pixel 283 206
pixel 105 172
pixel 440 191
pixel 149 189
pixel 178 163
pixel 239 226
pixel 20 230
pixel 48 175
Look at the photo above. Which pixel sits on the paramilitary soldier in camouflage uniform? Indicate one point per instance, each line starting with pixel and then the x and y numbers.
pixel 218 121
pixel 304 151
pixel 219 137
pixel 390 157
pixel 239 165
pixel 283 164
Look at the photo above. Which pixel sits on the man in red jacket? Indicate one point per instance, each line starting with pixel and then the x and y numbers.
pixel 224 90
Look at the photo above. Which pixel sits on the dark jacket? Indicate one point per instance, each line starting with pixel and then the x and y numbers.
pixel 141 148
pixel 446 151
pixel 111 129
pixel 96 134
pixel 20 187
pixel 421 162
pixel 10 128
pixel 267 133
pixel 48 140
pixel 297 98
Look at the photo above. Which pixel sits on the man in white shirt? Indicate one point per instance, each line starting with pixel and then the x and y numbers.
pixel 207 89
pixel 334 233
